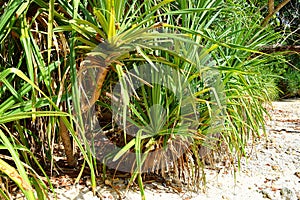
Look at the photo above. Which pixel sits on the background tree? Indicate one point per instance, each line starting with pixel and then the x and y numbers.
pixel 285 20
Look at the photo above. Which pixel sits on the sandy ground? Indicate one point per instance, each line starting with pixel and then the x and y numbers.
pixel 272 172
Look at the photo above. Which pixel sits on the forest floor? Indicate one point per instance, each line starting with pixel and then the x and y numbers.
pixel 272 170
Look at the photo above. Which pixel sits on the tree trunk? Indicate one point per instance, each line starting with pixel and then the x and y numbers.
pixel 272 11
pixel 64 134
pixel 290 49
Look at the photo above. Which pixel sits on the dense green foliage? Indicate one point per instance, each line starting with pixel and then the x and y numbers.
pixel 286 22
pixel 212 46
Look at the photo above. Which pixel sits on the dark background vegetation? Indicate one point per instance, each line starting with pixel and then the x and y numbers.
pixel 286 22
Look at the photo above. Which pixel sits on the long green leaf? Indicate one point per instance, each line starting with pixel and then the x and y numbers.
pixel 25 185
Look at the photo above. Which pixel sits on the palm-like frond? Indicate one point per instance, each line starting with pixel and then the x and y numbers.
pixel 207 50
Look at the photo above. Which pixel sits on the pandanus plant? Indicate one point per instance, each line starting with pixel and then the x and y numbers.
pixel 69 55
pixel 121 36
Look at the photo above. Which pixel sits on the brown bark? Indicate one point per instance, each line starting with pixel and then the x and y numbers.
pixel 278 7
pixel 64 134
pixel 271 6
pixel 104 67
pixel 291 49
pixel 96 94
